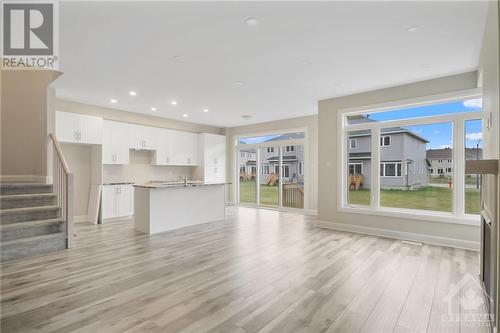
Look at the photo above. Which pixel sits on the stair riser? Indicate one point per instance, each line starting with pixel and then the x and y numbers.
pixel 11 190
pixel 30 231
pixel 30 216
pixel 8 203
pixel 30 249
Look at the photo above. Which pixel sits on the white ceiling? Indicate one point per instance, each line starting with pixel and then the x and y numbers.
pixel 300 52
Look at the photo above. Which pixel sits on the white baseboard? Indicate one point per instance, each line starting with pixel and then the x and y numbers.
pixel 429 239
pixel 23 179
pixel 81 218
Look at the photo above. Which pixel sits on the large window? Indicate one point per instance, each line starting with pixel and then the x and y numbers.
pixel 277 169
pixel 415 167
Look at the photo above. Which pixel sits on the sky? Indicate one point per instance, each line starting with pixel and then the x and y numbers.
pixel 439 135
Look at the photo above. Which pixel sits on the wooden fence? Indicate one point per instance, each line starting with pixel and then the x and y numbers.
pixel 293 195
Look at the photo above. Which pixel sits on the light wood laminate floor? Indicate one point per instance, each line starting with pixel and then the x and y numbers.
pixel 258 271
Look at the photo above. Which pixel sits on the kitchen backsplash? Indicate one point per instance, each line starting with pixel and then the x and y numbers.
pixel 139 170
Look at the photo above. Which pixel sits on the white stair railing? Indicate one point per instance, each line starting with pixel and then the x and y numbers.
pixel 62 180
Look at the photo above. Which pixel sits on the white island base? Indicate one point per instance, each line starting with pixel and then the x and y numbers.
pixel 164 208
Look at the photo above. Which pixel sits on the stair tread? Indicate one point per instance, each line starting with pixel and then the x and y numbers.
pixel 29 223
pixel 34 238
pixel 28 209
pixel 26 195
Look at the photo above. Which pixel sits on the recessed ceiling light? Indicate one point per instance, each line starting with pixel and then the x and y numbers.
pixel 177 57
pixel 153 109
pixel 132 93
pixel 246 116
pixel 305 61
pixel 173 102
pixel 252 22
pixel 205 110
pixel 113 101
pixel 412 29
pixel 238 83
pixel 185 115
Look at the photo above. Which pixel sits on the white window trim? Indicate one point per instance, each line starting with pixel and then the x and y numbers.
pixel 458 214
pixel 351 140
pixel 382 139
pixel 396 165
pixel 357 163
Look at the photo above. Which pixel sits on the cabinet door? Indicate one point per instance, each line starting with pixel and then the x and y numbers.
pixel 125 200
pixel 66 127
pixel 89 129
pixel 115 148
pixel 163 151
pixel 179 147
pixel 215 149
pixel 109 196
pixel 149 137
pixel 192 148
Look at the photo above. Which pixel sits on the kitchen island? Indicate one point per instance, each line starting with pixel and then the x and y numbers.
pixel 167 206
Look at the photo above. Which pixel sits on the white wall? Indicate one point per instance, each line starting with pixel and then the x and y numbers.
pixel 139 170
pixel 310 123
pixel 328 127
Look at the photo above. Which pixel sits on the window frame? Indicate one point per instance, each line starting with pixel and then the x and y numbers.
pixel 458 214
pixel 396 163
pixel 354 164
pixel 351 140
pixel 382 140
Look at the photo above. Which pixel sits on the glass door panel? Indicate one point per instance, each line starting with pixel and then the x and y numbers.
pixel 473 151
pixel 248 175
pixel 292 190
pixel 269 176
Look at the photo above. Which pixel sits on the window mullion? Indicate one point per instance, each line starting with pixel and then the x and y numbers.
pixel 375 172
pixel 458 172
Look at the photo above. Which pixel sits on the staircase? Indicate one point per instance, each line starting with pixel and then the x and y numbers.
pixel 30 221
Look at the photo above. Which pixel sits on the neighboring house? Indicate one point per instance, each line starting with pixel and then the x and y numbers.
pixel 403 161
pixel 248 165
pixel 441 160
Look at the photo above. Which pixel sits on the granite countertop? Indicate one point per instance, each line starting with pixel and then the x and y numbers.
pixel 177 184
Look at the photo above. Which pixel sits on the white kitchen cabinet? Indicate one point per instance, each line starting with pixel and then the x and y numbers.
pixel 212 158
pixel 78 128
pixel 176 148
pixel 117 201
pixel 115 142
pixel 143 137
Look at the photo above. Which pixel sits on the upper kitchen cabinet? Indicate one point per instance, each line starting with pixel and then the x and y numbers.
pixel 115 142
pixel 212 158
pixel 143 137
pixel 78 128
pixel 185 149
pixel 176 148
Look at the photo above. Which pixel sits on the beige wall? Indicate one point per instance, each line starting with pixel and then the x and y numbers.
pixel 489 68
pixel 78 158
pixel 135 118
pixel 328 154
pixel 310 123
pixel 25 122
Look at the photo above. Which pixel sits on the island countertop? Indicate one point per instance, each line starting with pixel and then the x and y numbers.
pixel 154 185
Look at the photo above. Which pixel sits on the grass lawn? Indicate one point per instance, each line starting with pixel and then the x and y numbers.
pixel 469 180
pixel 428 198
pixel 268 194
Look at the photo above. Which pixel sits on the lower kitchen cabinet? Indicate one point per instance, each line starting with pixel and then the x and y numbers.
pixel 117 201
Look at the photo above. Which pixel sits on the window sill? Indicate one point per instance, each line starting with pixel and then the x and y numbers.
pixel 430 216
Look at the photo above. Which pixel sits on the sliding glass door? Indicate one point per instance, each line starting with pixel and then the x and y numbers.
pixel 247 168
pixel 272 170
pixel 269 180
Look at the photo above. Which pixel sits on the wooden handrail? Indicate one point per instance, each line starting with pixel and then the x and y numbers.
pixel 60 154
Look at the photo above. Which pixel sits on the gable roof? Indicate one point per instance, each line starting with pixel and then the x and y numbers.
pixel 447 153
